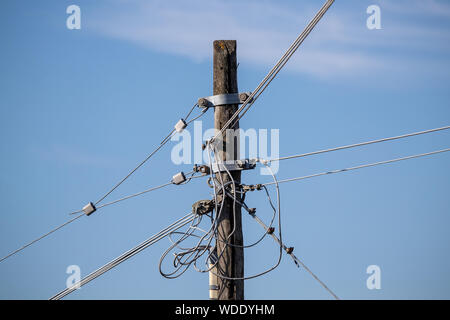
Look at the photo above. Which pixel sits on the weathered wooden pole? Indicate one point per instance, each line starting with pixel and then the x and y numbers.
pixel 231 261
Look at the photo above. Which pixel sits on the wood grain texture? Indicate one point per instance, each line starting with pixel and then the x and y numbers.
pixel 231 263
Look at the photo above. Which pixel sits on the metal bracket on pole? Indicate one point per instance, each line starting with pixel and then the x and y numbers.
pixel 245 164
pixel 224 99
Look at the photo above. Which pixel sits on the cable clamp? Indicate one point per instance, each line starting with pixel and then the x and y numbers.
pixel 237 165
pixel 263 161
pixel 204 169
pixel 251 187
pixel 209 144
pixel 89 209
pixel 202 207
pixel 180 125
pixel 179 178
pixel 224 99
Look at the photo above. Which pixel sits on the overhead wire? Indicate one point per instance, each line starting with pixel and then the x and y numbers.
pixel 210 269
pixel 244 205
pixel 83 214
pixel 189 256
pixel 125 256
pixel 315 277
pixel 203 247
pixel 43 236
pixel 297 261
pixel 182 260
pixel 247 104
pixel 360 144
pixel 162 143
pixel 277 182
pixel 134 195
pixel 360 166
pixel 275 70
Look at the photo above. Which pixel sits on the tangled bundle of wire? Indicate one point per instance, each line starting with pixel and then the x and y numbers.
pixel 203 254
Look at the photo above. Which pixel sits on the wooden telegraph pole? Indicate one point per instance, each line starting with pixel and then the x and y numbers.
pixel 231 261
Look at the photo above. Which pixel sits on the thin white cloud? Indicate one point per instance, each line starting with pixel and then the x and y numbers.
pixel 264 29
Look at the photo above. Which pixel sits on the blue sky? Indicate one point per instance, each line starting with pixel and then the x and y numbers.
pixel 80 108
